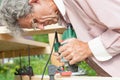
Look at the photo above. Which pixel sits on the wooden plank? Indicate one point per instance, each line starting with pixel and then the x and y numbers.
pixel 38 77
pixel 48 29
pixel 8 42
pixel 12 46
pixel 4 30
pixel 88 78
pixel 21 40
pixel 54 60
pixel 23 52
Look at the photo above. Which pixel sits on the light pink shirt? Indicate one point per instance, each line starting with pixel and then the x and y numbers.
pixel 98 23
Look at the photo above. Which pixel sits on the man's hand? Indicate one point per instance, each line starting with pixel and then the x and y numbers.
pixel 74 50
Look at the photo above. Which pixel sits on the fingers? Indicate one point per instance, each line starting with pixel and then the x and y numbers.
pixel 64 46
pixel 73 61
pixel 65 50
pixel 73 50
pixel 55 54
pixel 65 53
pixel 69 57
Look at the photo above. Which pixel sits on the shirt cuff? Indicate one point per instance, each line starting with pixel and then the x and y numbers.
pixel 99 50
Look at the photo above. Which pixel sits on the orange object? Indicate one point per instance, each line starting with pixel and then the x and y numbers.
pixel 67 73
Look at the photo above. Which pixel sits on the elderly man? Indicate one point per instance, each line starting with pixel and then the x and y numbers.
pixel 96 22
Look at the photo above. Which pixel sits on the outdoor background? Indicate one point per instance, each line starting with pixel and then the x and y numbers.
pixel 9 66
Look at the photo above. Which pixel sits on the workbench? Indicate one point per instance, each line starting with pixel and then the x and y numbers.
pixel 11 46
pixel 38 77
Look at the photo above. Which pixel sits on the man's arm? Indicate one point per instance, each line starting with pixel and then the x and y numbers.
pixel 108 43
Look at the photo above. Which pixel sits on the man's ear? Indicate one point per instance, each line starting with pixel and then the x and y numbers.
pixel 33 1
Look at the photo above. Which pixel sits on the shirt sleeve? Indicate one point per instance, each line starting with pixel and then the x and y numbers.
pixel 108 14
pixel 99 50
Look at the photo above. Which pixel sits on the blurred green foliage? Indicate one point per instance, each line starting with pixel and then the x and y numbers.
pixel 37 62
pixel 41 38
pixel 87 68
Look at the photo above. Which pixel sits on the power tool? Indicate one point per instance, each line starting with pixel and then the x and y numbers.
pixel 67 34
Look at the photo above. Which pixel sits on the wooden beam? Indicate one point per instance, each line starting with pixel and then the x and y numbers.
pixel 54 60
pixel 38 77
pixel 23 52
pixel 48 29
pixel 9 41
pixel 11 46
pixel 4 30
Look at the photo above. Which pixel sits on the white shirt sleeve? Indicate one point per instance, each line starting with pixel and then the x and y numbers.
pixel 98 50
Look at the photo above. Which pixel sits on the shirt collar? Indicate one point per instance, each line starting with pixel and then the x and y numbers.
pixel 60 5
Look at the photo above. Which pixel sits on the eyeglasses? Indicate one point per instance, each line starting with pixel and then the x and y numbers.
pixel 34 24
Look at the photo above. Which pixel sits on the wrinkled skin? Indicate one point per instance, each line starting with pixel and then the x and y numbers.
pixel 45 12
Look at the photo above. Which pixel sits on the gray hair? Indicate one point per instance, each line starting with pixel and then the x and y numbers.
pixel 10 11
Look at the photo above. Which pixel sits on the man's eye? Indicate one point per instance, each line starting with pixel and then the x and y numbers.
pixel 35 20
pixel 34 24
